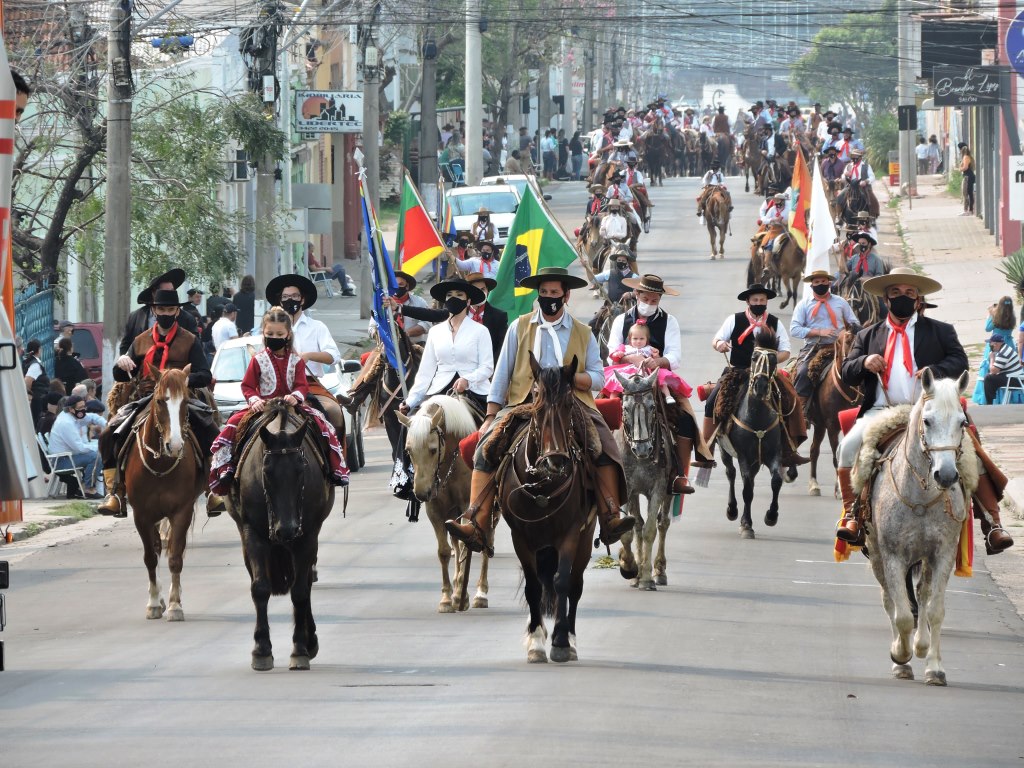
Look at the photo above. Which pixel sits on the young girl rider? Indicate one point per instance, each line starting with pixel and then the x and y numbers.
pixel 629 357
pixel 276 371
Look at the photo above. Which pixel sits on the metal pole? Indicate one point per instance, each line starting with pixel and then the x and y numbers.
pixel 371 147
pixel 588 91
pixel 427 175
pixel 908 159
pixel 117 249
pixel 474 96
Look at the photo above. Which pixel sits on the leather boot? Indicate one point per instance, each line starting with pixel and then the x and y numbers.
pixel 215 504
pixel 996 537
pixel 476 534
pixel 114 504
pixel 680 483
pixel 707 430
pixel 608 512
pixel 848 529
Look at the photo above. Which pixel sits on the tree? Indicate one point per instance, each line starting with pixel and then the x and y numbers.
pixel 854 63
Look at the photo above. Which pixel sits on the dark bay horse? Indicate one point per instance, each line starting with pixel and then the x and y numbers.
pixel 280 501
pixel 164 473
pixel 830 397
pixel 753 436
pixel 548 504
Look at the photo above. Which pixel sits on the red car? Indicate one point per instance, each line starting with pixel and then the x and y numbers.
pixel 87 339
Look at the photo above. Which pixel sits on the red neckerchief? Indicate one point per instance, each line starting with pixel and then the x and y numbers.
pixel 755 323
pixel 862 263
pixel 400 318
pixel 822 301
pixel 164 346
pixel 477 312
pixel 898 331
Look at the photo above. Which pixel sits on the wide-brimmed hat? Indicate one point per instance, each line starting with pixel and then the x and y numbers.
pixel 553 273
pixel 439 291
pixel 877 286
pixel 650 284
pixel 753 289
pixel 173 276
pixel 856 152
pixel 864 215
pixel 276 287
pixel 483 211
pixel 482 242
pixel 861 233
pixel 614 202
pixel 623 143
pixel 818 273
pixel 165 298
pixel 407 277
pixel 478 277
pixel 596 188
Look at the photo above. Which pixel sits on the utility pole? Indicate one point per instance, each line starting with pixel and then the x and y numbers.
pixel 588 91
pixel 474 96
pixel 908 159
pixel 428 120
pixel 117 244
pixel 371 147
pixel 568 123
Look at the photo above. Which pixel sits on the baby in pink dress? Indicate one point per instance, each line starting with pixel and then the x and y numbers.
pixel 629 357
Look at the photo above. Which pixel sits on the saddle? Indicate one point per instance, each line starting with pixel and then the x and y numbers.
pixel 733 384
pixel 252 422
pixel 817 368
pixel 511 427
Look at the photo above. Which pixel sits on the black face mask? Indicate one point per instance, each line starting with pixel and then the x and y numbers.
pixel 550 305
pixel 166 321
pixel 623 267
pixel 902 307
pixel 820 290
pixel 275 343
pixel 758 309
pixel 463 243
pixel 291 306
pixel 79 414
pixel 455 305
pixel 486 255
pixel 400 292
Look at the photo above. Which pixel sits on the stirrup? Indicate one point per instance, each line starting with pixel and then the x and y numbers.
pixel 687 488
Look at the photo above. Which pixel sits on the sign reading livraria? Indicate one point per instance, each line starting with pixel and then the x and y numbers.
pixel 329 111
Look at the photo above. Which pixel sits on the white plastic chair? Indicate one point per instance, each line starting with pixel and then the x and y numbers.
pixel 321 279
pixel 54 473
pixel 1014 384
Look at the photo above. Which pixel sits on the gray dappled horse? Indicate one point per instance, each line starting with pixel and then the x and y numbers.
pixel 919 499
pixel 647 456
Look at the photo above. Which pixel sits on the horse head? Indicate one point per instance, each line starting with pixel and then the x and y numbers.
pixel 427 435
pixel 551 421
pixel 283 474
pixel 763 364
pixel 640 413
pixel 940 425
pixel 170 408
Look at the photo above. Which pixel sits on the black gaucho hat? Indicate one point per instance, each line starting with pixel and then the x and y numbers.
pixel 276 287
pixel 173 276
pixel 439 291
pixel 753 289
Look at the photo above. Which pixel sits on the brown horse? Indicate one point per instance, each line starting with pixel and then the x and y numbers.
pixel 716 219
pixel 164 474
pixel 547 503
pixel 782 269
pixel 830 397
pixel 752 159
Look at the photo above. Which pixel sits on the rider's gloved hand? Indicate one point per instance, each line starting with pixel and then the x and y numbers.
pixel 125 363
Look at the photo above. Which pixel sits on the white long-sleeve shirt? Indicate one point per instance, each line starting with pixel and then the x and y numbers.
pixel 712 178
pixel 773 214
pixel 673 351
pixel 467 354
pixel 312 336
pixel 486 267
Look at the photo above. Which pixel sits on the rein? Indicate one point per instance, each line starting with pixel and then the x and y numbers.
pixel 142 444
pixel 761 369
pixel 656 434
pixel 837 381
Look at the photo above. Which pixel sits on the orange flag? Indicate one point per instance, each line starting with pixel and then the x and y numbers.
pixel 800 201
pixel 418 241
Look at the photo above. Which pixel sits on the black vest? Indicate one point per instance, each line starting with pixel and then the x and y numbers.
pixel 615 286
pixel 656 324
pixel 40 384
pixel 740 355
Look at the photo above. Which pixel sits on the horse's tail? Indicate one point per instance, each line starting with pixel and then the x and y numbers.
pixel 281 570
pixel 547 564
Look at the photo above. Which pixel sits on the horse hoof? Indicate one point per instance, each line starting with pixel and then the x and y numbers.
pixel 537 657
pixel 445 608
pixel 731 514
pixel 262 663
pixel 154 612
pixel 771 518
pixel 175 614
pixel 814 490
pixel 463 606
pixel 314 649
pixel 298 662
pixel 480 602
pixel 746 533
pixel 629 574
pixel 934 677
pixel 902 672
pixel 661 580
pixel 561 655
pixel 647 586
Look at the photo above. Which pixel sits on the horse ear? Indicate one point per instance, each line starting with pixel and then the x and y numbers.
pixel 155 374
pixel 534 366
pixel 623 380
pixel 266 435
pixel 570 369
pixel 652 379
pixel 437 418
pixel 927 381
pixel 404 420
pixel 187 370
pixel 963 382
pixel 295 438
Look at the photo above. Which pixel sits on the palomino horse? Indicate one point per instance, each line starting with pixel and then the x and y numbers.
pixel 918 503
pixel 441 481
pixel 164 473
pixel 548 504
pixel 753 436
pixel 647 456
pixel 830 397
pixel 716 219
pixel 280 501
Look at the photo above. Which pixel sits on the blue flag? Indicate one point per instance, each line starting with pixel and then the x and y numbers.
pixel 384 283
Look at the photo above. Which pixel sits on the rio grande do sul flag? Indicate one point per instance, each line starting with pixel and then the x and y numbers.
pixel 418 243
pixel 801 201
pixel 534 241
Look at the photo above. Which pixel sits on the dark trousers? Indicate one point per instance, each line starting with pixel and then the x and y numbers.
pixel 993 382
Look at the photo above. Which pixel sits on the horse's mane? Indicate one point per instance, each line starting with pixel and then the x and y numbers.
pixel 767 339
pixel 458 421
pixel 551 388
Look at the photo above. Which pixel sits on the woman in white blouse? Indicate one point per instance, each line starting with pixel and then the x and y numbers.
pixel 458 355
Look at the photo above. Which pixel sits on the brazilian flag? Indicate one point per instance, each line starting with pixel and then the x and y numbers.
pixel 534 240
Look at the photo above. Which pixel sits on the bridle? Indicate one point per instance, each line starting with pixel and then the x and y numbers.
pixel 452 460
pixel 837 380
pixel 268 453
pixel 761 367
pixel 642 416
pixel 142 443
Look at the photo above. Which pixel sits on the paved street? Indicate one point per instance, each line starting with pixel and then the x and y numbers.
pixel 758 653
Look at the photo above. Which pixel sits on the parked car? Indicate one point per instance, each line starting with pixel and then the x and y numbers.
pixel 501 200
pixel 517 180
pixel 87 339
pixel 231 362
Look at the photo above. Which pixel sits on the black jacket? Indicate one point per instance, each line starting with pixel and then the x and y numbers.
pixel 138 322
pixel 69 369
pixel 936 346
pixel 494 320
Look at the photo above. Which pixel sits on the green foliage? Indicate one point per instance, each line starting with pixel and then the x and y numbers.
pixel 955 184
pixel 854 63
pixel 1012 269
pixel 248 121
pixel 881 137
pixel 77 509
pixel 396 127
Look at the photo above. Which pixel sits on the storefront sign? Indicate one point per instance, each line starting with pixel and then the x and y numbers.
pixel 329 112
pixel 1015 177
pixel 966 86
pixel 1015 44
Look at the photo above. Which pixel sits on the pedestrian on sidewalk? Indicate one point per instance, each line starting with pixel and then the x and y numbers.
pixel 967 170
pixel 934 154
pixel 1004 362
pixel 921 150
pixel 1000 323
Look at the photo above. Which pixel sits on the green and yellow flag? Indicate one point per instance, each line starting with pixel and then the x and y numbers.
pixel 534 240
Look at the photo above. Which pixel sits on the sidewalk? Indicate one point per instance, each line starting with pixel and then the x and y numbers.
pixel 929 233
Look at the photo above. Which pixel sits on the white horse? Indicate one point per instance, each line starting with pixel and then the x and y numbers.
pixel 441 481
pixel 919 500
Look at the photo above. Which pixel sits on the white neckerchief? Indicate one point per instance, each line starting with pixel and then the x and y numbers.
pixel 544 325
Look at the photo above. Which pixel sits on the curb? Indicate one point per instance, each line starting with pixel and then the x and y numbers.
pixel 30 528
pixel 1013 497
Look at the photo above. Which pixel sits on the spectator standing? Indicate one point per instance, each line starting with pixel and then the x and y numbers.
pixel 934 155
pixel 245 300
pixel 967 169
pixel 225 328
pixel 37 383
pixel 1001 321
pixel 921 150
pixel 66 365
pixel 576 155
